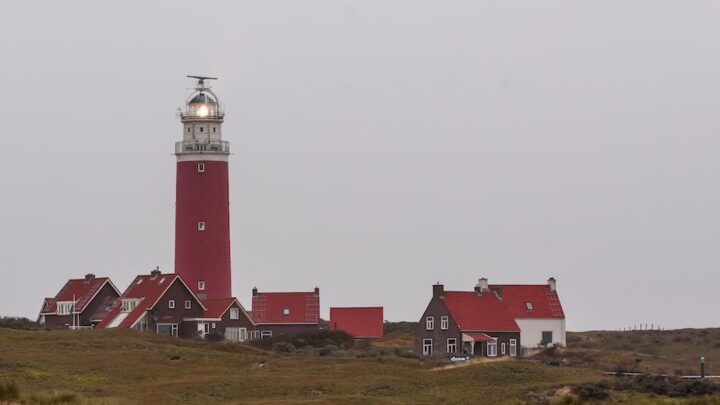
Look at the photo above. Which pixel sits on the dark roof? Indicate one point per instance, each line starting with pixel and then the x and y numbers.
pixel 286 307
pixel 479 312
pixel 545 302
pixel 203 98
pixel 358 321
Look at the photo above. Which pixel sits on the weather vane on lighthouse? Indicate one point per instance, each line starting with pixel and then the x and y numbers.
pixel 202 209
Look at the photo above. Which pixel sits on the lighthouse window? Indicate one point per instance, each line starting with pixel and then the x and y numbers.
pixel 201 167
pixel 201 129
pixel 201 226
pixel 214 130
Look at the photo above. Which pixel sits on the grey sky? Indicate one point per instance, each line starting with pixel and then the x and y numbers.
pixel 379 146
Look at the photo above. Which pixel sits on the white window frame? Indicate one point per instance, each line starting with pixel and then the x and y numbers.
pixel 427 347
pixel 286 311
pixel 492 348
pixel 266 334
pixel 188 304
pixel 451 345
pixel 529 306
pixel 234 313
pixel 513 347
pixel 201 167
pixel 171 304
pixel 444 322
pixel 201 286
pixel 64 307
pixel 429 322
pixel 173 328
pixel 201 226
pixel 128 305
pixel 206 328
pixel 502 348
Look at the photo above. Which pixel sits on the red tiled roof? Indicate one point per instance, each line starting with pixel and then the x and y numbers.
pixel 148 289
pixel 286 307
pixel 479 337
pixel 545 303
pixel 484 312
pixel 81 289
pixel 358 321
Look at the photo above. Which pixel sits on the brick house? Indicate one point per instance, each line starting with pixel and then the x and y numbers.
pixel 286 313
pixel 80 303
pixel 158 302
pixel 359 322
pixel 467 322
pixel 536 309
pixel 228 320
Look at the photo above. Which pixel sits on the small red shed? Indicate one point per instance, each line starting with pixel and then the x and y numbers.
pixel 360 322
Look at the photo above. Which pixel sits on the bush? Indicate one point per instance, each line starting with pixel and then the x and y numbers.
pixel 18 323
pixel 587 392
pixel 315 340
pixel 9 391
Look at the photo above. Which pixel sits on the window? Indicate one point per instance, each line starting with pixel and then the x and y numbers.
pixel 429 323
pixel 142 324
pixel 206 328
pixel 236 334
pixel 502 348
pixel 451 345
pixel 202 129
pixel 286 311
pixel 129 305
pixel 171 304
pixel 234 313
pixel 427 347
pixel 547 337
pixel 64 308
pixel 188 129
pixel 201 285
pixel 444 323
pixel 188 304
pixel 201 167
pixel 513 347
pixel 201 226
pixel 529 306
pixel 266 334
pixel 213 325
pixel 492 348
pixel 170 329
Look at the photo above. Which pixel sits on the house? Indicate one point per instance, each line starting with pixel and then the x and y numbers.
pixel 536 309
pixel 79 303
pixel 229 320
pixel 286 313
pixel 162 303
pixel 359 322
pixel 467 322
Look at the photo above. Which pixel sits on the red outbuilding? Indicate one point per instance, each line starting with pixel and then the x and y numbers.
pixel 359 322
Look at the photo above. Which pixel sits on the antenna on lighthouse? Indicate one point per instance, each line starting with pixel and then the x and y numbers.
pixel 201 80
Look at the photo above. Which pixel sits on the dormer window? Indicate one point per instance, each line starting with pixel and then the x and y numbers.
pixel 529 306
pixel 129 305
pixel 64 308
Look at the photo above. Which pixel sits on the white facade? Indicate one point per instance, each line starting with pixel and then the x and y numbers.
pixel 531 330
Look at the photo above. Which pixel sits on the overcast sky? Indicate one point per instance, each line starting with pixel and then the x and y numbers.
pixel 378 147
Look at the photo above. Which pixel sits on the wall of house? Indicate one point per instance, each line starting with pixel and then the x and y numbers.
pixel 502 337
pixel 531 330
pixel 93 306
pixel 225 322
pixel 289 329
pixel 161 313
pixel 57 321
pixel 436 309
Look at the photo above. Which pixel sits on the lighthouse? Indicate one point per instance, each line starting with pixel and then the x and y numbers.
pixel 202 205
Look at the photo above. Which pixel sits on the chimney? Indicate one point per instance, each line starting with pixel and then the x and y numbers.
pixel 255 291
pixel 552 283
pixel 316 292
pixel 438 290
pixel 156 272
pixel 89 276
pixel 482 286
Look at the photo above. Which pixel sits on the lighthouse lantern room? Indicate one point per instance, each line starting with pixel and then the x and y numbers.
pixel 202 209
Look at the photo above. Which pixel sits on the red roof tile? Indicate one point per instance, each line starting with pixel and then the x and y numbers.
pixel 148 289
pixel 358 321
pixel 545 303
pixel 81 289
pixel 286 307
pixel 479 312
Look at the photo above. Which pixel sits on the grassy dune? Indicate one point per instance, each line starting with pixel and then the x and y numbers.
pixel 126 367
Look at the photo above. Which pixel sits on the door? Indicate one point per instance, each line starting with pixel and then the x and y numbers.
pixel 427 347
pixel 203 329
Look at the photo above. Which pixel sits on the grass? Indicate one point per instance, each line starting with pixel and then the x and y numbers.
pixel 120 366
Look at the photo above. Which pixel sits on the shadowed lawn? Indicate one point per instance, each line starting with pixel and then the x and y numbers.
pixel 119 366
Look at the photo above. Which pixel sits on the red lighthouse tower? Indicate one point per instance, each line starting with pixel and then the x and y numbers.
pixel 202 208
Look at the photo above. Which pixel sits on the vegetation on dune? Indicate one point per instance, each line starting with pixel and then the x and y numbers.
pixel 19 323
